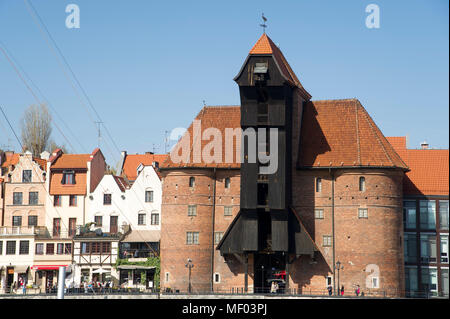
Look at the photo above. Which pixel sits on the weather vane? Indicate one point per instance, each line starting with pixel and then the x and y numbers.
pixel 264 25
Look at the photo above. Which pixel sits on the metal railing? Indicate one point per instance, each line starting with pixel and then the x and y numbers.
pixel 22 230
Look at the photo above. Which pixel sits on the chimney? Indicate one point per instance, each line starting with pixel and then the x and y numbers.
pixel 424 145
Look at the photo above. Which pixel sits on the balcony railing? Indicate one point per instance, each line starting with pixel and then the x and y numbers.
pixel 138 253
pixel 23 230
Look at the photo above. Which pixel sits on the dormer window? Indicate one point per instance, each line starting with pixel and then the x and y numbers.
pixel 68 178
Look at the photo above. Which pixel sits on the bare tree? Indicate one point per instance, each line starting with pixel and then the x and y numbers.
pixel 36 128
pixel 52 145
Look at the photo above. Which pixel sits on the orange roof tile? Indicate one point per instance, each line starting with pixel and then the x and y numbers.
pixel 133 161
pixel 266 46
pixel 11 159
pixel 75 161
pixel 429 169
pixel 340 133
pixel 220 117
pixel 335 133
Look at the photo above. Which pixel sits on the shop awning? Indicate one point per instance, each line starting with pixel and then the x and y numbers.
pixel 139 236
pixel 134 267
pixel 21 269
pixel 47 267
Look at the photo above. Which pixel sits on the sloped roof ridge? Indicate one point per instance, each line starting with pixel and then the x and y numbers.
pixel 372 125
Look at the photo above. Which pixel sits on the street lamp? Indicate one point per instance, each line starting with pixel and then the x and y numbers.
pixel 189 265
pixel 338 264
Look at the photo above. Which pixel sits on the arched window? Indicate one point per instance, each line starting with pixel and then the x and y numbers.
pixel 191 181
pixel 318 184
pixel 362 184
pixel 227 182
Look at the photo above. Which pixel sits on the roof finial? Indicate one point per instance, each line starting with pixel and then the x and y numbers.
pixel 264 23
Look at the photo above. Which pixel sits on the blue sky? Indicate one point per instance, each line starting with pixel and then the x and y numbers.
pixel 147 66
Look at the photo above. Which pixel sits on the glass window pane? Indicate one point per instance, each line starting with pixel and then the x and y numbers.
pixel 427 214
pixel 443 214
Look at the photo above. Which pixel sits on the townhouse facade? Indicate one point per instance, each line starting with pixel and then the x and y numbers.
pixel 425 219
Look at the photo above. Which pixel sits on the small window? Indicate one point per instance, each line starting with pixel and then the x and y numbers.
pixel 106 199
pixel 1 248
pixel 228 211
pixel 67 249
pixel 50 249
pixel 11 247
pixel 362 184
pixel 73 200
pixel 191 181
pixel 24 247
pixel 167 277
pixel 33 198
pixel 192 238
pixel 39 249
pixel 68 178
pixel 227 182
pixel 98 220
pixel 17 221
pixel 106 248
pixel 192 210
pixel 363 213
pixel 17 198
pixel 32 220
pixel 26 176
pixel 149 196
pixel 218 237
pixel 318 213
pixel 141 219
pixel 57 200
pixel 327 241
pixel 155 219
pixel 318 185
pixel 216 278
pixel 60 249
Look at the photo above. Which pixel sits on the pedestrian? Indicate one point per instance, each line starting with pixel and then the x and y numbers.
pixel 273 287
pixel 342 290
pixel 357 290
pixel 24 288
pixel 330 290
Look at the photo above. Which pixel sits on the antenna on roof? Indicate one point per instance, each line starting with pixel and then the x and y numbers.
pixel 264 25
pixel 99 132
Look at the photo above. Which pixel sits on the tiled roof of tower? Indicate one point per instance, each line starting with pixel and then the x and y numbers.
pixel 429 169
pixel 265 46
pixel 340 133
pixel 133 161
pixel 220 117
pixel 335 133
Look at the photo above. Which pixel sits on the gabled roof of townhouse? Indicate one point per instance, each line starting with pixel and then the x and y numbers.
pixel 12 159
pixel 429 169
pixel 131 163
pixel 79 162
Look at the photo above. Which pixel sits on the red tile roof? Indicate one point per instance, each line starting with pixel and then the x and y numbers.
pixel 335 133
pixel 429 169
pixel 13 159
pixel 265 46
pixel 340 133
pixel 132 162
pixel 220 117
pixel 75 161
